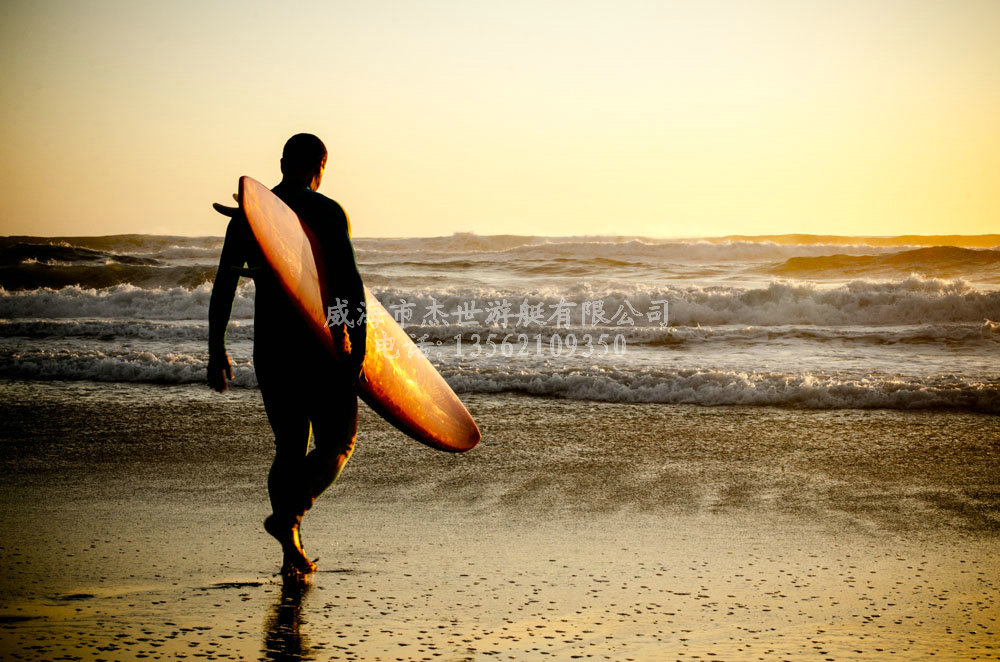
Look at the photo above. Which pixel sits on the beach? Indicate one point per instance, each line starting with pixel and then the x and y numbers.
pixel 577 530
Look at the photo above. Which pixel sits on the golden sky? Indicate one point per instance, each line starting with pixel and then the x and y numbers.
pixel 550 118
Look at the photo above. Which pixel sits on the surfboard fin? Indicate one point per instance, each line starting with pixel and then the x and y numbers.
pixel 224 210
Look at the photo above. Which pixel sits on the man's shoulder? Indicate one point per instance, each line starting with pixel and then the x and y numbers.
pixel 304 201
pixel 324 203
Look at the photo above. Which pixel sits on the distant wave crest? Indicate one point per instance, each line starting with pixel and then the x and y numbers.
pixel 939 261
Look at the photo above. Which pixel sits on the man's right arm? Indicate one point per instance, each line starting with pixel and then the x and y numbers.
pixel 220 305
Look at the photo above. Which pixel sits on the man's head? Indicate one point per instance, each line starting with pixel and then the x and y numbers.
pixel 303 160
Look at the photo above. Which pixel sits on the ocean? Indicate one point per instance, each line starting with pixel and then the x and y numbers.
pixel 791 321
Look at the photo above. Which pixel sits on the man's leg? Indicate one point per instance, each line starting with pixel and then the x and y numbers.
pixel 287 414
pixel 335 428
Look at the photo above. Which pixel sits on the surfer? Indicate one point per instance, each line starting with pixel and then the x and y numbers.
pixel 301 387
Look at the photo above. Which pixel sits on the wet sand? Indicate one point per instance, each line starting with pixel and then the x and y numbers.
pixel 131 530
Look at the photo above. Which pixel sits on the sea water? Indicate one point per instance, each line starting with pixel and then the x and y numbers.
pixel 860 323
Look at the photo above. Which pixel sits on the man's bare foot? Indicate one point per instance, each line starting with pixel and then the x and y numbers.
pixel 294 580
pixel 286 532
pixel 293 568
pixel 297 562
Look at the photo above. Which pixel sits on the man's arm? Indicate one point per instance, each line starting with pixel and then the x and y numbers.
pixel 351 288
pixel 220 304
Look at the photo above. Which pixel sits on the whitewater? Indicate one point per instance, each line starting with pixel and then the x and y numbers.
pixel 812 323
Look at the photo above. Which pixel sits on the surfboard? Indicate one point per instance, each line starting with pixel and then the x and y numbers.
pixel 397 379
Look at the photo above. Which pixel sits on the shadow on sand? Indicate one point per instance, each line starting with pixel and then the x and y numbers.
pixel 282 638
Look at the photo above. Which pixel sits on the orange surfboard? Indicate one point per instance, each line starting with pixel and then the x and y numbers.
pixel 397 380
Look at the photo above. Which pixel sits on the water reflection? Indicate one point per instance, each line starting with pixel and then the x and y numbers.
pixel 282 638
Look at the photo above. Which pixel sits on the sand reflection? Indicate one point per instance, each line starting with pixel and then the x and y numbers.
pixel 283 638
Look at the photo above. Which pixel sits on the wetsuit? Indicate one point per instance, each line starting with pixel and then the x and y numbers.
pixel 301 385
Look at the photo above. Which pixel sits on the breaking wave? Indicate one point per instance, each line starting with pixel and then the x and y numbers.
pixel 120 301
pixel 862 302
pixel 657 385
pixel 717 387
pixel 909 301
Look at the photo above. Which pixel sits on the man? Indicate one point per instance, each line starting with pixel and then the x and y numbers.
pixel 301 385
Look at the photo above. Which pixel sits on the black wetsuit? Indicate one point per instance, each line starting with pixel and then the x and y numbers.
pixel 301 385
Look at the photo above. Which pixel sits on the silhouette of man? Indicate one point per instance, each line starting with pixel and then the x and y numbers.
pixel 302 387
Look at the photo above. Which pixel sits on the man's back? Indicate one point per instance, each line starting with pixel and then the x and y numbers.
pixel 277 326
pixel 274 316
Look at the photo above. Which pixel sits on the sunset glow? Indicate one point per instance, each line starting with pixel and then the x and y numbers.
pixel 647 118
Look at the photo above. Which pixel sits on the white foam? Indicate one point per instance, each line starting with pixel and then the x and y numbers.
pixel 643 384
pixel 912 300
pixel 716 387
pixel 862 302
pixel 119 328
pixel 120 301
pixel 116 366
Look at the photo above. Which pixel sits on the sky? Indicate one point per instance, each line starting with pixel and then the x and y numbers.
pixel 661 119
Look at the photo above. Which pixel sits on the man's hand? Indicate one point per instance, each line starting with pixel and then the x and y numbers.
pixel 352 358
pixel 220 371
